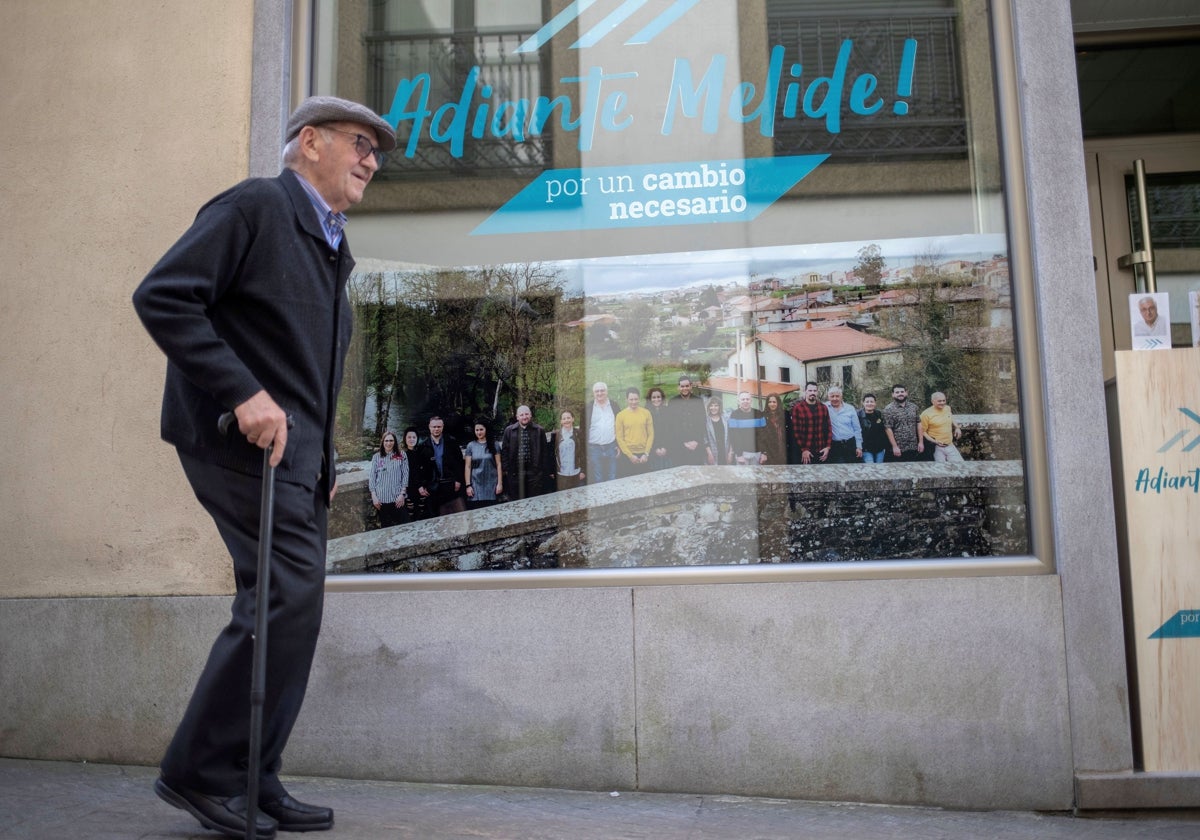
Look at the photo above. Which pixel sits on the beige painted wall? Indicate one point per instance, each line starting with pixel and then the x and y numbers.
pixel 119 119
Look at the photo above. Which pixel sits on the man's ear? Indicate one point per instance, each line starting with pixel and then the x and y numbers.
pixel 311 142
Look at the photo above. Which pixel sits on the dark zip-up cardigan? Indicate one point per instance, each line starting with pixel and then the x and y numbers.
pixel 252 297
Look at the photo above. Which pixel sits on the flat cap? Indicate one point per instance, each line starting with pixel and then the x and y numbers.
pixel 325 109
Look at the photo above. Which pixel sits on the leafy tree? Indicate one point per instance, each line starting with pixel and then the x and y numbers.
pixel 706 335
pixel 637 326
pixel 457 342
pixel 870 265
pixel 513 329
pixel 933 360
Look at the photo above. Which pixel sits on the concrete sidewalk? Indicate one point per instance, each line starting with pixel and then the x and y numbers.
pixel 41 800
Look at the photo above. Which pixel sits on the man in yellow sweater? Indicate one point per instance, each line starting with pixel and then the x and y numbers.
pixel 635 435
pixel 938 427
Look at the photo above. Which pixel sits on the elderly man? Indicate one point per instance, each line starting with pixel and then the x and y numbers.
pixel 250 308
pixel 600 424
pixel 524 456
pixel 1151 324
pixel 847 431
pixel 938 427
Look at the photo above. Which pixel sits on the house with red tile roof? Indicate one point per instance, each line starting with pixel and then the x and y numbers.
pixel 835 355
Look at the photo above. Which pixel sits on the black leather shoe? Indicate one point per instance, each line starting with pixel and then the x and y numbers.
pixel 226 814
pixel 297 816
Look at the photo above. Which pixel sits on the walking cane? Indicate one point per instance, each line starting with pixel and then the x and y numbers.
pixel 258 668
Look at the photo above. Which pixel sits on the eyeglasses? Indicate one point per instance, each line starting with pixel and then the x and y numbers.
pixel 362 146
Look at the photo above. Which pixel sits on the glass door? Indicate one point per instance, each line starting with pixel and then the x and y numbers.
pixel 1145 231
pixel 1144 197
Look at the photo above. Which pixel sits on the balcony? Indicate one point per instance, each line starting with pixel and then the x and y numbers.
pixel 935 126
pixel 448 60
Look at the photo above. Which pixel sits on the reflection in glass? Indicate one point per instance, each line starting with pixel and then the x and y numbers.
pixel 1173 205
pixel 478 344
pixel 492 275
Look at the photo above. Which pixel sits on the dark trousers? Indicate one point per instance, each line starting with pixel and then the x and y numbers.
pixel 524 482
pixel 842 452
pixel 568 482
pixel 390 515
pixel 209 750
pixel 682 456
pixel 446 499
pixel 626 468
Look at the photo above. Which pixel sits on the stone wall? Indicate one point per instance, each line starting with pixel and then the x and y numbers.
pixel 990 437
pixel 695 516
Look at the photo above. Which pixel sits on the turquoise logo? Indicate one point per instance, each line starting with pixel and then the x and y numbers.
pixel 1194 442
pixel 1185 624
pixel 673 13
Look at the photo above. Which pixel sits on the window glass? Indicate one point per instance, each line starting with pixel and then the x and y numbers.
pixel 491 15
pixel 605 228
pixel 1139 89
pixel 414 16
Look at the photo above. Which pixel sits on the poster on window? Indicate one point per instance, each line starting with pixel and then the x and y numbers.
pixel 1150 320
pixel 675 284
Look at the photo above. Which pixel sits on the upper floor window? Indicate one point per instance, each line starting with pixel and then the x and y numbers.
pixel 814 34
pixel 456 49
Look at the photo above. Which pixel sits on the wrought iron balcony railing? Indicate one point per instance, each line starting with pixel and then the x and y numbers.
pixel 935 125
pixel 448 60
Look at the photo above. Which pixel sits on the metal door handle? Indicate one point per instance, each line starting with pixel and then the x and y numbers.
pixel 1144 257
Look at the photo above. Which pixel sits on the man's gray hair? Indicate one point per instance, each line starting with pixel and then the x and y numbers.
pixel 291 152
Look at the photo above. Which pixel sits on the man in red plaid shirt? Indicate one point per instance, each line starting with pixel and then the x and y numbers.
pixel 811 427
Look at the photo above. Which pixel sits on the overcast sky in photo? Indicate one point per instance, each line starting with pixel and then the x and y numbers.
pixel 658 272
pixel 652 273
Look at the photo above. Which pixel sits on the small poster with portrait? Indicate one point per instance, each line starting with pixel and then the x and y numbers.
pixel 1194 314
pixel 1150 321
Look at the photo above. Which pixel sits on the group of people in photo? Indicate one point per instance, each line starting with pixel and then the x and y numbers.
pixel 831 432
pixel 417 477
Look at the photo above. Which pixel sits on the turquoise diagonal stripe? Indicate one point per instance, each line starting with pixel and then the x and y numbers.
pixel 1185 624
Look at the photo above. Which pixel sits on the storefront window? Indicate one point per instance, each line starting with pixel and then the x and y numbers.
pixel 645 228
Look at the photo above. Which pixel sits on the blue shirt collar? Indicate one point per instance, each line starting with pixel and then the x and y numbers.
pixel 331 222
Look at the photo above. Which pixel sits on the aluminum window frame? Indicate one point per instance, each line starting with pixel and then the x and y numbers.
pixel 283 68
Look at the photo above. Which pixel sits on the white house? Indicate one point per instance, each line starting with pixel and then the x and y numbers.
pixel 826 355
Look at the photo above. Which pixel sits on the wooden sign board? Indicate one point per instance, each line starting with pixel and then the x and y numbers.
pixel 1159 405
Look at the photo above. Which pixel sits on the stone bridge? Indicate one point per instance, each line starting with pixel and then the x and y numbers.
pixel 697 516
